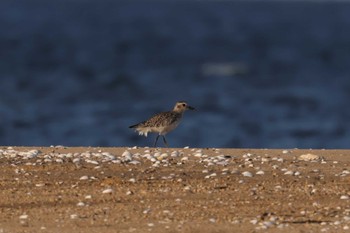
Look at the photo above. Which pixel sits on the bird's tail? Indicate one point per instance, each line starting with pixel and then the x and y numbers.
pixel 140 129
pixel 134 126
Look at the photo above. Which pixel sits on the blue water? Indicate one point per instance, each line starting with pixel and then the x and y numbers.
pixel 261 74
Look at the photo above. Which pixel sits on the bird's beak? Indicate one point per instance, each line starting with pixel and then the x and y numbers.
pixel 191 108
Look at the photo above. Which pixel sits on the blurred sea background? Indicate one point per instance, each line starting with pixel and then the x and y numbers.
pixel 262 74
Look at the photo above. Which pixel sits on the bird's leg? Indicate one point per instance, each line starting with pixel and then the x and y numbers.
pixel 155 142
pixel 165 141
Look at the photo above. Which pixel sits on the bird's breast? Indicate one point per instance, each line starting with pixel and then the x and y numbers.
pixel 166 129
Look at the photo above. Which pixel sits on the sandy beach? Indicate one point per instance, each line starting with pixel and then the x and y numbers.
pixel 88 189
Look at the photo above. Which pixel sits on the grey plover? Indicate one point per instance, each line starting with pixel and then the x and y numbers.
pixel 162 123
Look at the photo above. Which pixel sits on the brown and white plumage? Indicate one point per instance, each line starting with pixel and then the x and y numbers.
pixel 162 123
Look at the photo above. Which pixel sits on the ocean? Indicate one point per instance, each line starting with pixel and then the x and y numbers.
pixel 261 74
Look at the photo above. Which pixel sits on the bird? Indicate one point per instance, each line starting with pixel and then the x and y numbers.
pixel 162 123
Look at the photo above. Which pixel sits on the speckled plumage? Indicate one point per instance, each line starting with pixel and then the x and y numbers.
pixel 161 120
pixel 164 122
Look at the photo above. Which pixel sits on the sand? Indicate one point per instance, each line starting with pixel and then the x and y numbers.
pixel 80 189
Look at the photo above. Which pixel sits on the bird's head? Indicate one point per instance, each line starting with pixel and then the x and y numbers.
pixel 182 106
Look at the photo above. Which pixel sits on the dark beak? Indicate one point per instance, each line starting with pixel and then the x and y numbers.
pixel 191 108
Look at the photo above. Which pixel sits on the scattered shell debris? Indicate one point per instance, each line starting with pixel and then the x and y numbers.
pixel 216 167
pixel 23 217
pixel 247 174
pixel 106 191
pixel 309 157
pixel 156 157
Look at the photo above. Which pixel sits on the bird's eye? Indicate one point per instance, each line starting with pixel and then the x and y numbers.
pixel 183 105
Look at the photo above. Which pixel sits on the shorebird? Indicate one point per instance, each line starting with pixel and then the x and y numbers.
pixel 162 123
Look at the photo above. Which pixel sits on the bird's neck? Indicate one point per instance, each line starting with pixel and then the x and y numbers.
pixel 178 111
